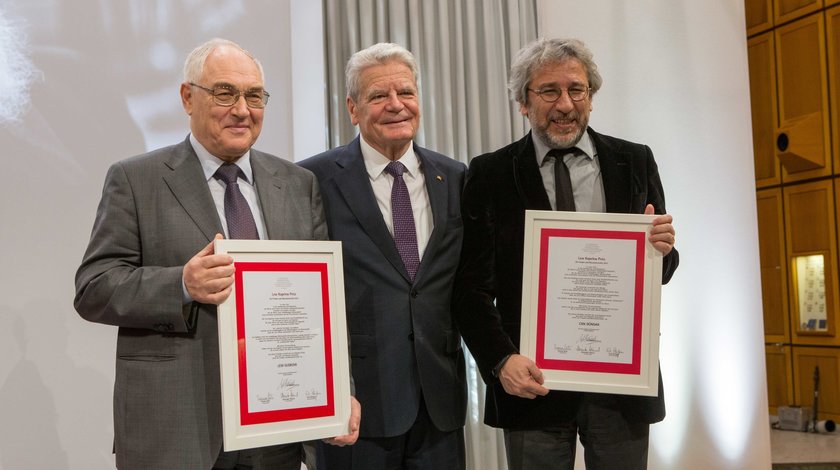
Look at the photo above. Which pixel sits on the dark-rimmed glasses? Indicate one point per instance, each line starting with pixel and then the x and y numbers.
pixel 551 95
pixel 228 96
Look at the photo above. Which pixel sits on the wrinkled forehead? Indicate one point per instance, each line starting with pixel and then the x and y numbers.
pixel 390 74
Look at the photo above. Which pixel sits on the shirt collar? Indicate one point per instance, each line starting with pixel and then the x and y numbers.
pixel 375 162
pixel 585 145
pixel 210 163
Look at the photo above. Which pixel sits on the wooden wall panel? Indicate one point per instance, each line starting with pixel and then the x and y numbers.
pixel 771 244
pixel 803 136
pixel 778 361
pixel 805 360
pixel 809 212
pixel 832 21
pixel 762 67
pixel 758 15
pixel 787 10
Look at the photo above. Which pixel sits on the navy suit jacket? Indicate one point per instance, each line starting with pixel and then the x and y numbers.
pixel 500 187
pixel 403 339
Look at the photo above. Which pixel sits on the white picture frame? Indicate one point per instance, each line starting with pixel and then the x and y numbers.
pixel 591 301
pixel 283 350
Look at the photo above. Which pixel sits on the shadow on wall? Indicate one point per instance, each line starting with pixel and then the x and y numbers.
pixel 42 378
pixel 25 400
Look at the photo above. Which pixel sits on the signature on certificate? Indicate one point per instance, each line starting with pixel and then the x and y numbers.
pixel 312 394
pixel 288 388
pixel 562 349
pixel 265 399
pixel 588 339
pixel 587 349
pixel 614 352
pixel 287 383
pixel 289 396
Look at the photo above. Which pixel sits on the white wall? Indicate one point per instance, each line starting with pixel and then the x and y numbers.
pixel 83 84
pixel 675 78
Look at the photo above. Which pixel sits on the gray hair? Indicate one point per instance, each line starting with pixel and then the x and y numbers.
pixel 377 54
pixel 194 65
pixel 549 51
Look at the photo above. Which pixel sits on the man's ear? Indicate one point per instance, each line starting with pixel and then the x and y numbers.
pixel 186 97
pixel 351 109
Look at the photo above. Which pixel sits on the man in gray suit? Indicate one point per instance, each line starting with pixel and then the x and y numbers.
pixel 395 207
pixel 150 268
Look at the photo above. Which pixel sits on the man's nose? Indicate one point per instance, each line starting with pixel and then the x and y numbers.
pixel 394 102
pixel 564 103
pixel 240 107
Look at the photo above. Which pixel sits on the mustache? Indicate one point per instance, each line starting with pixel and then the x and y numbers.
pixel 570 116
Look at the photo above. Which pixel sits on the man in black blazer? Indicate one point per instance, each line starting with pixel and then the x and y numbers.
pixel 407 362
pixel 553 81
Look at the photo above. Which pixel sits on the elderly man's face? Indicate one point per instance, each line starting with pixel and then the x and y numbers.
pixel 562 123
pixel 226 132
pixel 388 108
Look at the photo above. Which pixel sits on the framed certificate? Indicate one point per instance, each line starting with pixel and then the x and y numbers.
pixel 590 301
pixel 283 344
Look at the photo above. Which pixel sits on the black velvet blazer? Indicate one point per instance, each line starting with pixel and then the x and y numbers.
pixel 488 289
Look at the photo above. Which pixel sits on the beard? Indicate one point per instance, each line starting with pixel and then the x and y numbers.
pixel 555 140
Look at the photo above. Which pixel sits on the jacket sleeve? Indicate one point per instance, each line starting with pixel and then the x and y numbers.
pixel 656 196
pixel 474 294
pixel 112 284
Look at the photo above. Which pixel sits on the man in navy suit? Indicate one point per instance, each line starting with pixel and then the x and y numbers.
pixel 553 81
pixel 396 208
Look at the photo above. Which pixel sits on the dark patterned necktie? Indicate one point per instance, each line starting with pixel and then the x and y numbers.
pixel 240 220
pixel 564 196
pixel 405 235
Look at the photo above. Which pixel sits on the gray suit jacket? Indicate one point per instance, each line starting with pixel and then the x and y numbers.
pixel 403 340
pixel 156 212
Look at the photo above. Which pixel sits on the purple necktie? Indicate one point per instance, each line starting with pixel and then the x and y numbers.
pixel 405 236
pixel 564 196
pixel 240 220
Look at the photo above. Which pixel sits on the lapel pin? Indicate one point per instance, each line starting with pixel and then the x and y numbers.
pixel 439 178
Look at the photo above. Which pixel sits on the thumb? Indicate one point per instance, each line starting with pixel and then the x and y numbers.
pixel 649 210
pixel 210 249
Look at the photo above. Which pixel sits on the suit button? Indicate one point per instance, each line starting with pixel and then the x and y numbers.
pixel 411 336
pixel 414 294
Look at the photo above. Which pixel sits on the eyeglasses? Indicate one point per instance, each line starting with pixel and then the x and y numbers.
pixel 228 96
pixel 551 95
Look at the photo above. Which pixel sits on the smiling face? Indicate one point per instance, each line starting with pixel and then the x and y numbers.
pixel 562 123
pixel 226 132
pixel 388 108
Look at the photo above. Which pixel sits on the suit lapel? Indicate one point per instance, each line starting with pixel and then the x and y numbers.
pixel 270 190
pixel 616 174
pixel 184 179
pixel 526 174
pixel 438 190
pixel 353 183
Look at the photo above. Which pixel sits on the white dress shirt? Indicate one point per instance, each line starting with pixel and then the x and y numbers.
pixel 381 182
pixel 584 171
pixel 247 186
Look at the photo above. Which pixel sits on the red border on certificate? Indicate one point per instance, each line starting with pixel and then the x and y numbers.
pixel 246 417
pixel 634 367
